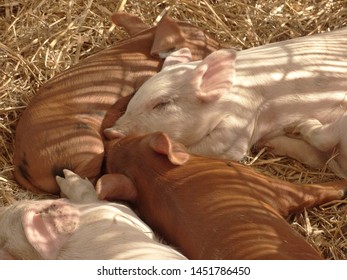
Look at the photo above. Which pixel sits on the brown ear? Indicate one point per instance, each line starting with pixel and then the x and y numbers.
pixel 132 24
pixel 176 153
pixel 115 187
pixel 168 36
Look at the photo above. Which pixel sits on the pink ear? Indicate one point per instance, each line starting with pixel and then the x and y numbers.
pixel 48 225
pixel 214 76
pixel 175 152
pixel 168 36
pixel 132 24
pixel 181 56
pixel 115 187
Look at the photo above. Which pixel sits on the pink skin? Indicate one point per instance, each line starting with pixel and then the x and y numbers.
pixel 230 101
pixel 79 227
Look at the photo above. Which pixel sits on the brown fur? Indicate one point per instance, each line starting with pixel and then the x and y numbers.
pixel 212 208
pixel 62 126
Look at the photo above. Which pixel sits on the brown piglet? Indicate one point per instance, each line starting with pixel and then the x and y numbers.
pixel 210 208
pixel 62 126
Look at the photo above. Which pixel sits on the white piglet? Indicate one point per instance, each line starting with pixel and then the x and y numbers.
pixel 80 227
pixel 224 105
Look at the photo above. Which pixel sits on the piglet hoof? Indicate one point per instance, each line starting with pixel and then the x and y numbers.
pixel 244 160
pixel 75 188
pixel 303 129
pixel 292 131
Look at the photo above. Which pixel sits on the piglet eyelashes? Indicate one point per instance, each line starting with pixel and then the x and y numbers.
pixel 163 104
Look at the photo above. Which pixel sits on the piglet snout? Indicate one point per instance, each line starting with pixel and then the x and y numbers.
pixel 111 134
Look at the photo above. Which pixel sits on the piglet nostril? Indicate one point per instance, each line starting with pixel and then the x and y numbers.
pixel 111 134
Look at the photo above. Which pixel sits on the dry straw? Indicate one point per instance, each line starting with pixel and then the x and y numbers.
pixel 40 38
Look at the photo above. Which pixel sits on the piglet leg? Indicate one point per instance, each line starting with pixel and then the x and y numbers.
pixel 290 198
pixel 326 138
pixel 323 137
pixel 295 148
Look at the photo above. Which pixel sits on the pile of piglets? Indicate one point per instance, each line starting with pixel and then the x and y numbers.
pixel 173 154
pixel 62 127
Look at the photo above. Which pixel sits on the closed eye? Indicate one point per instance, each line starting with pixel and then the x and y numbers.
pixel 162 105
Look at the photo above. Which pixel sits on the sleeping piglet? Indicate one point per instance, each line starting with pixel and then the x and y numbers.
pixel 80 227
pixel 210 208
pixel 62 126
pixel 228 102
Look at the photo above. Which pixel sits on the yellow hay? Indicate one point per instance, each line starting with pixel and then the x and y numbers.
pixel 39 39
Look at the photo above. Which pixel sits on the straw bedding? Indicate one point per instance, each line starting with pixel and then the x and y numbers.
pixel 40 38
